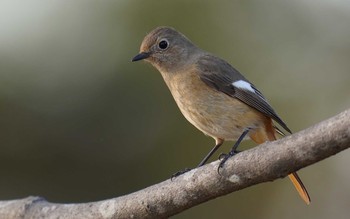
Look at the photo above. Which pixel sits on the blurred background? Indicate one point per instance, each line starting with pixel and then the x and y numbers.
pixel 80 122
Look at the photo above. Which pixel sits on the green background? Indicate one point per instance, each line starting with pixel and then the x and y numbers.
pixel 80 122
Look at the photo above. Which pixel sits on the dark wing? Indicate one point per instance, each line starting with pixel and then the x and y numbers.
pixel 221 76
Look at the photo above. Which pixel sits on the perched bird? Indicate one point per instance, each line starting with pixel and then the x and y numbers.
pixel 212 95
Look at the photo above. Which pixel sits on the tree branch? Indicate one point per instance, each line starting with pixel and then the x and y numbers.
pixel 264 163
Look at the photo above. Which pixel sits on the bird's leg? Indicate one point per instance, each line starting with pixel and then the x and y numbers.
pixel 219 142
pixel 224 157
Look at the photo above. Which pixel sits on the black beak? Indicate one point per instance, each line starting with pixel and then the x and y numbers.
pixel 142 55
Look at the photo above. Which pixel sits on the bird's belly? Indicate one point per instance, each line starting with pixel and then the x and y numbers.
pixel 215 113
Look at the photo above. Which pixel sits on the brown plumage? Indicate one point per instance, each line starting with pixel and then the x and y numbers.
pixel 211 94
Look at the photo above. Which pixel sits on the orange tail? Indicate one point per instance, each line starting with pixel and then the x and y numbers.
pixel 260 136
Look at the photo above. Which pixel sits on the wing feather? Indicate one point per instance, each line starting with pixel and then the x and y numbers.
pixel 220 75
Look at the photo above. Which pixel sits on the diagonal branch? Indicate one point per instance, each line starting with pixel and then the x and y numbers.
pixel 264 163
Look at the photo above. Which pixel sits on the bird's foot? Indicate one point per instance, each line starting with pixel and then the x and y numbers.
pixel 179 173
pixel 224 157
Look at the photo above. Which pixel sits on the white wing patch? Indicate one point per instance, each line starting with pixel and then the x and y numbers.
pixel 243 85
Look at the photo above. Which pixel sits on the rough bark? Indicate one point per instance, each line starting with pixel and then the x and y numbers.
pixel 263 163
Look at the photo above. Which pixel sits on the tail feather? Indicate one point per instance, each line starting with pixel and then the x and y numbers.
pixel 260 136
pixel 299 186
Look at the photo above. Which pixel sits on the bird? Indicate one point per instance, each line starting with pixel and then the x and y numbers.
pixel 212 95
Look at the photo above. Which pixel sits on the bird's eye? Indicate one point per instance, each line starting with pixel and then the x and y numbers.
pixel 163 44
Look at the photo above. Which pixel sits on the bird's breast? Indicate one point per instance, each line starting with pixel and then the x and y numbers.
pixel 213 112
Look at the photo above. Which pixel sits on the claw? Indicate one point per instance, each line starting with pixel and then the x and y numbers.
pixel 179 173
pixel 224 157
